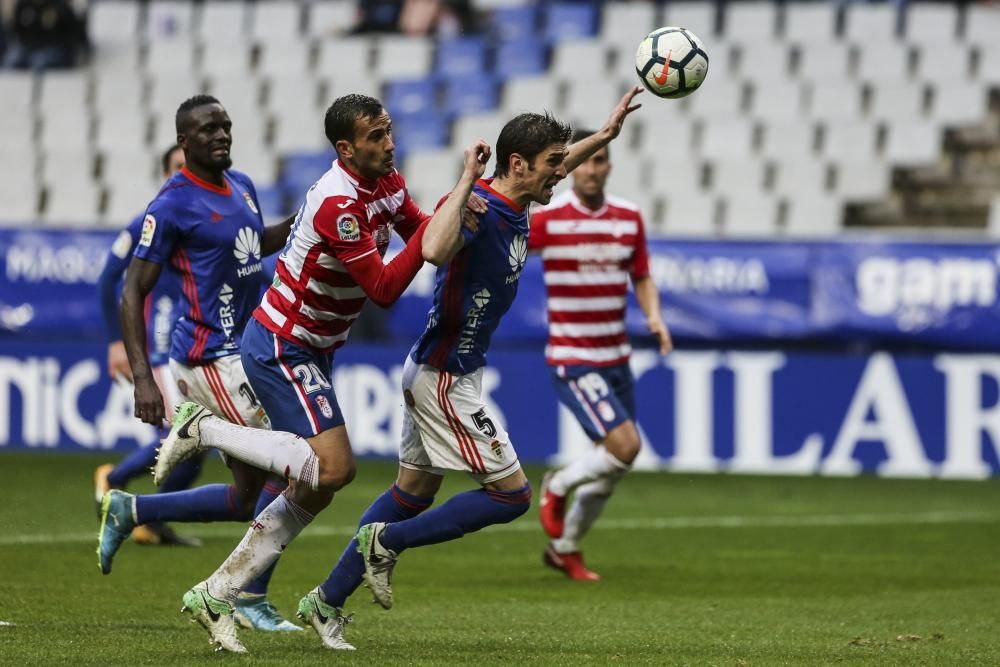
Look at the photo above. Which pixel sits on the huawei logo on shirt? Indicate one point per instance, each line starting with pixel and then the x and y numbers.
pixel 516 258
pixel 247 249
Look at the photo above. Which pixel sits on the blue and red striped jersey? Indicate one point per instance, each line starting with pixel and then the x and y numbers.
pixel 474 290
pixel 210 237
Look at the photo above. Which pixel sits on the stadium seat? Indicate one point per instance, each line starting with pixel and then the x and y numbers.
pixel 124 168
pixel 66 127
pixel 222 57
pixel 810 22
pixel 117 91
pixel 460 56
pixel 747 59
pixel 835 100
pixel 279 58
pixel 944 64
pixel 777 102
pixel 472 93
pixel 988 64
pixel 72 200
pixel 163 129
pixel 912 142
pixel 798 175
pixel 352 81
pixel 867 23
pixel 570 20
pixel 430 173
pixel 619 27
pixel 17 92
pixel 17 139
pixel 121 129
pixel 18 198
pixel 749 214
pixel 274 203
pixel 822 62
pixel 993 222
pixel 883 61
pixel 572 57
pixel 727 139
pixel 929 23
pixel 698 16
pixel 519 58
pixel 169 19
pixel 294 88
pixel 751 22
pixel 718 99
pixel 737 176
pixel 331 17
pixel 110 59
pixel 411 97
pixel 418 132
pixel 589 102
pixel 850 139
pixel 298 129
pixel 517 23
pixel 809 215
pixel 276 21
pixel 333 53
pixel 788 140
pixel 689 213
pixel 468 129
pixel 630 179
pixel 60 90
pixel 861 180
pixel 399 57
pixel 893 101
pixel 175 56
pixel 167 91
pixel 982 24
pixel 241 97
pixel 222 21
pixel 958 102
pixel 530 94
pixel 113 21
pixel 672 172
pixel 126 199
pixel 301 169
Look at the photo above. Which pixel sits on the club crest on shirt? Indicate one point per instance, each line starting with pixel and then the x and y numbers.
pixel 324 406
pixel 148 230
pixel 348 228
pixel 253 207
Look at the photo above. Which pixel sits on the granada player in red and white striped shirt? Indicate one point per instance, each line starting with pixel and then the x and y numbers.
pixel 591 244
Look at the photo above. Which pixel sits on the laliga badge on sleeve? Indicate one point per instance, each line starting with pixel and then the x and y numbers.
pixel 148 230
pixel 348 228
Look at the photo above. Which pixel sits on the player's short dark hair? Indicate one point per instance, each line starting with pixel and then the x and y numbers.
pixel 528 134
pixel 345 110
pixel 180 119
pixel 165 158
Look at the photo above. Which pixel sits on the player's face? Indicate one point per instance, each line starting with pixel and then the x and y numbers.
pixel 175 163
pixel 208 138
pixel 374 151
pixel 546 171
pixel 590 177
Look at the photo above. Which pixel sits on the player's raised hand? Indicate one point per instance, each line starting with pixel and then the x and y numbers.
pixel 659 329
pixel 624 107
pixel 148 401
pixel 118 365
pixel 476 157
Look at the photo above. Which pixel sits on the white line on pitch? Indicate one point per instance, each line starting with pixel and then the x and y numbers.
pixel 528 526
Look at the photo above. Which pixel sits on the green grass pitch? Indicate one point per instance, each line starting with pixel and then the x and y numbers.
pixel 698 570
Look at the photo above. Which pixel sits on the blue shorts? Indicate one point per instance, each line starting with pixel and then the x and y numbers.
pixel 292 382
pixel 600 397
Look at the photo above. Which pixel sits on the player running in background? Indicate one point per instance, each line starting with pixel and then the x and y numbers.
pixel 332 264
pixel 448 425
pixel 204 225
pixel 160 323
pixel 591 243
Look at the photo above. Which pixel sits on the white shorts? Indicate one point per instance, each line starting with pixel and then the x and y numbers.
pixel 447 426
pixel 222 387
pixel 164 379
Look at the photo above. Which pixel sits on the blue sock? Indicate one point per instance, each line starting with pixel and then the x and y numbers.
pixel 465 513
pixel 213 502
pixel 138 463
pixel 272 489
pixel 183 475
pixel 392 506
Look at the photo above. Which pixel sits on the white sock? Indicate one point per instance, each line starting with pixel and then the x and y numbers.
pixel 588 503
pixel 268 535
pixel 280 452
pixel 598 463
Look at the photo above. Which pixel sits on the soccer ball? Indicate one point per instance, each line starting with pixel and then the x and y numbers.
pixel 671 62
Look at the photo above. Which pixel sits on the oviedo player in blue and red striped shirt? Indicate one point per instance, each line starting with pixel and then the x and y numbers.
pixel 332 264
pixel 206 229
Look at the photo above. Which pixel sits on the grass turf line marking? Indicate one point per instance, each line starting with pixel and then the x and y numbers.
pixel 663 523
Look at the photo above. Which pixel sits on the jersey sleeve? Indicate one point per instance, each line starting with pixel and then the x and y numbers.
pixel 160 232
pixel 538 236
pixel 640 258
pixel 342 222
pixel 109 282
pixel 468 235
pixel 409 217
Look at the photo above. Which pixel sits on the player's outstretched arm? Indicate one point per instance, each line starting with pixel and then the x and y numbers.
pixel 107 288
pixel 139 281
pixel 581 151
pixel 648 297
pixel 443 236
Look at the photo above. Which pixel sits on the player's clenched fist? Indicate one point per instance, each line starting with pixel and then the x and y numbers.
pixel 476 157
pixel 148 401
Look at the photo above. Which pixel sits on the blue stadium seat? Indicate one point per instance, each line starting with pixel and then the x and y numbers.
pixel 274 200
pixel 301 170
pixel 520 58
pixel 458 57
pixel 418 131
pixel 470 94
pixel 513 23
pixel 410 97
pixel 570 20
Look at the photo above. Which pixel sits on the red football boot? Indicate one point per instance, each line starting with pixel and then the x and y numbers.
pixel 552 510
pixel 570 564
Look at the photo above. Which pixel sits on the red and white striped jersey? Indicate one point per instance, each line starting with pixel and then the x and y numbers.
pixel 314 299
pixel 587 258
